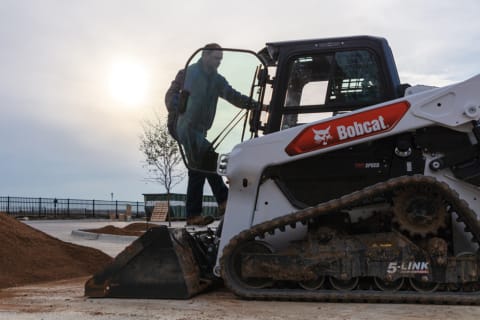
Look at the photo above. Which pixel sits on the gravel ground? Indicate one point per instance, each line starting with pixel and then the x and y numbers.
pixel 64 299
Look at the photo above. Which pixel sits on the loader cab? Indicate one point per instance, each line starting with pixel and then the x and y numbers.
pixel 286 84
pixel 316 79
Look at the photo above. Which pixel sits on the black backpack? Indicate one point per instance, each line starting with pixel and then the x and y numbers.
pixel 175 100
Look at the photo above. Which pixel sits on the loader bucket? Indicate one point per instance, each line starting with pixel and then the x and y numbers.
pixel 159 264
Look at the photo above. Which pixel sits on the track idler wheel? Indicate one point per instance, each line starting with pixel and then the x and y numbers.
pixel 251 247
pixel 386 285
pixel 423 286
pixel 313 284
pixel 343 285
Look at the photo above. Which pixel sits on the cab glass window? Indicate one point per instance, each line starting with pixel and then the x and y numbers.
pixel 326 84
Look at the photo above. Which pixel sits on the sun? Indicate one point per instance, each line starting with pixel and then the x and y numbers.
pixel 128 82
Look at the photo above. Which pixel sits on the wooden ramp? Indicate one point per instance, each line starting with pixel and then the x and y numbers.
pixel 160 212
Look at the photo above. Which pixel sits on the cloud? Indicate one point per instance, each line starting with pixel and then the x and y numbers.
pixel 62 135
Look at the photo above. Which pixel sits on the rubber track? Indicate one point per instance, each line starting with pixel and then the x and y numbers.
pixel 460 207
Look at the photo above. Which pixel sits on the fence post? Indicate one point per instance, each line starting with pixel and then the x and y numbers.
pixel 116 209
pixel 55 201
pixel 39 206
pixel 8 205
pixel 68 207
pixel 137 209
pixel 93 208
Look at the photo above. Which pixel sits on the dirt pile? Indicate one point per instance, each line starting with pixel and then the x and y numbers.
pixel 28 255
pixel 133 229
pixel 139 226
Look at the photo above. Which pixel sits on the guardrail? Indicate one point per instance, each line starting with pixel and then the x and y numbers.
pixel 69 208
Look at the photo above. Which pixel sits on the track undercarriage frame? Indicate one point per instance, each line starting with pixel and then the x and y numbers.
pixel 391 266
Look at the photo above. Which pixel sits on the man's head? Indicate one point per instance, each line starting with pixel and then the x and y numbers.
pixel 211 58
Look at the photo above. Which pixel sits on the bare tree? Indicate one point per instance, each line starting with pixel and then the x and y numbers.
pixel 162 154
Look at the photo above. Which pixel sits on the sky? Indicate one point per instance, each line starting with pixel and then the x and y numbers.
pixel 71 117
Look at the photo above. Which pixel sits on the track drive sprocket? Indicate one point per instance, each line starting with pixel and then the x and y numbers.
pixel 419 211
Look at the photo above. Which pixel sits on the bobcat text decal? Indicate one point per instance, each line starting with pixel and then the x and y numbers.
pixel 348 128
pixel 360 129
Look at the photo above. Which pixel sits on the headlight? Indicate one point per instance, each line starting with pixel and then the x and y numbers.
pixel 222 164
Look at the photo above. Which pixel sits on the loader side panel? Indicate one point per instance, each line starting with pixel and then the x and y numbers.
pixel 327 176
pixel 317 179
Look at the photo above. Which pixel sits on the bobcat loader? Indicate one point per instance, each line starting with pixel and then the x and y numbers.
pixel 345 185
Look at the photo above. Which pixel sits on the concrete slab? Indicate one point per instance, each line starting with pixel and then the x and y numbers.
pixel 71 231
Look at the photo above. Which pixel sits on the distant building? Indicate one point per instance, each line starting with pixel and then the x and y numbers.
pixel 177 205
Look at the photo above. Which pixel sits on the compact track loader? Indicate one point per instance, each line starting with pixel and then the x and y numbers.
pixel 344 185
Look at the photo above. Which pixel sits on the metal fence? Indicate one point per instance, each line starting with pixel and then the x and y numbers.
pixel 177 210
pixel 69 208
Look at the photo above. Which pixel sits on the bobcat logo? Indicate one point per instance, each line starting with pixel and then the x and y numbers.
pixel 322 136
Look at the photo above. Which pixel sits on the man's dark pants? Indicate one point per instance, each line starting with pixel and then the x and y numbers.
pixel 196 181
